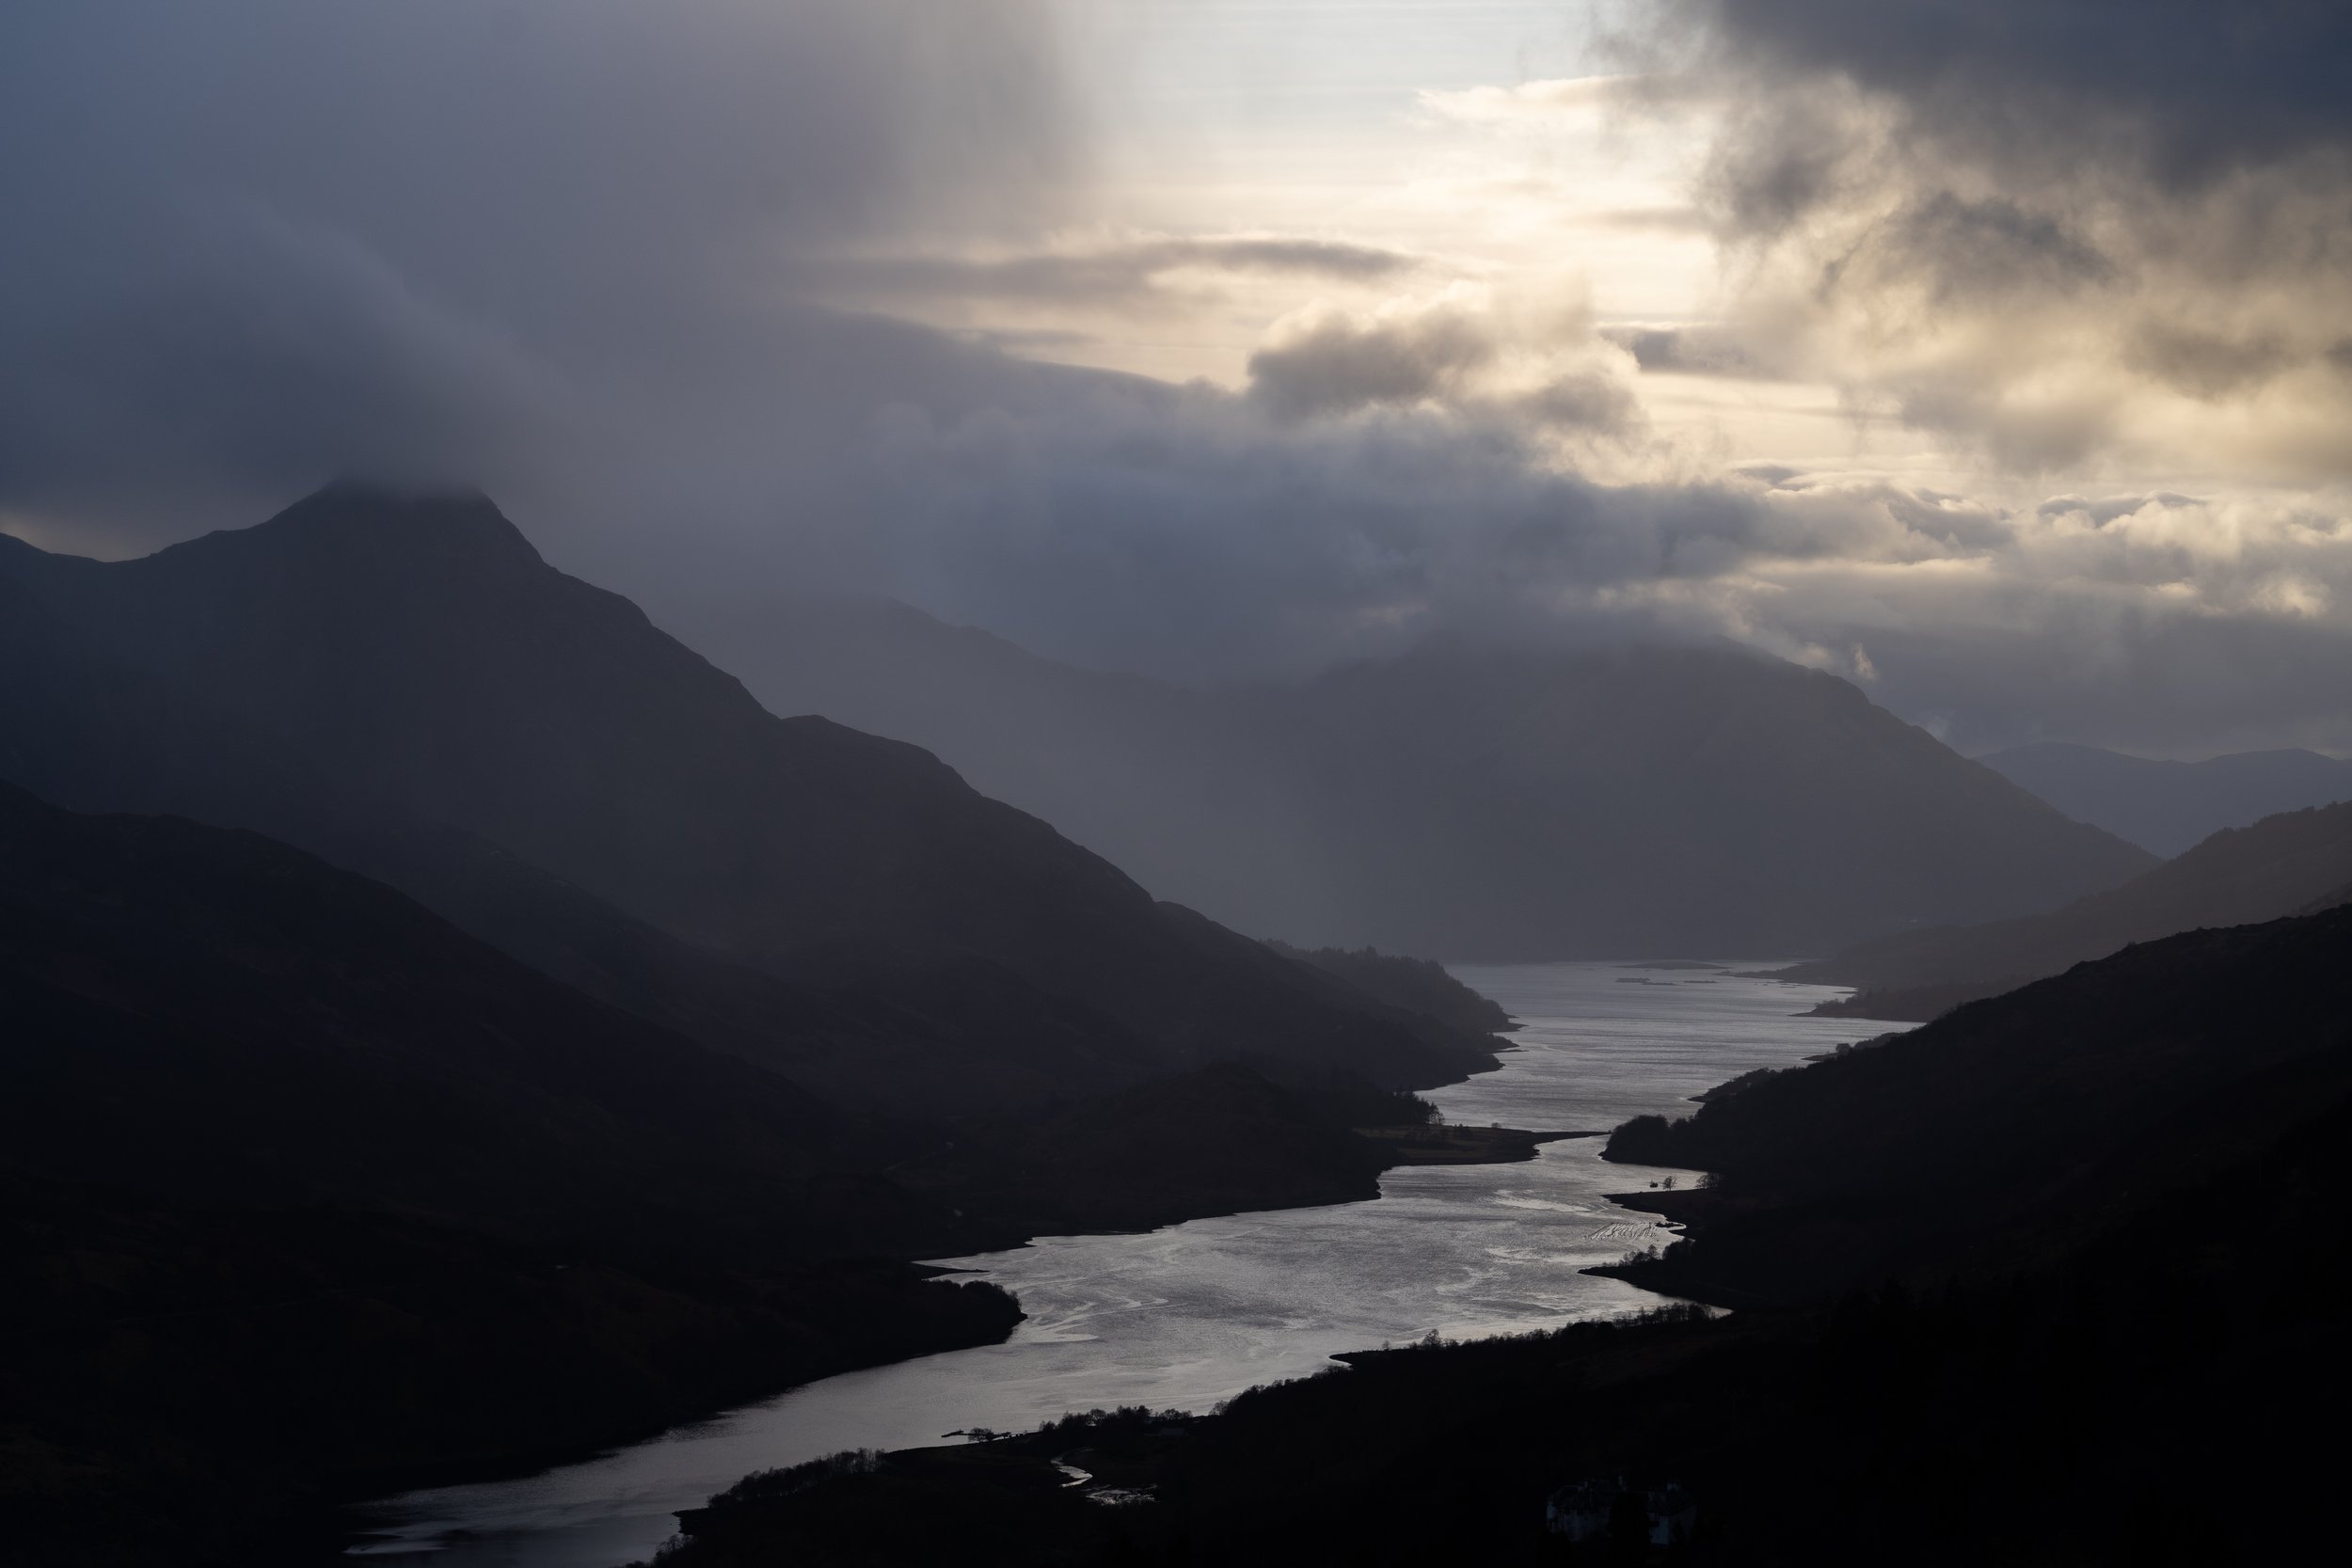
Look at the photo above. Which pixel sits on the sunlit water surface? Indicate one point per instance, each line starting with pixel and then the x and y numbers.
pixel 1187 1316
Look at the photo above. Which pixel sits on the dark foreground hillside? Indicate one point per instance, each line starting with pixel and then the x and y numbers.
pixel 306 1195
pixel 2010 1126
pixel 191 1386
pixel 2124 1358
pixel 307 1192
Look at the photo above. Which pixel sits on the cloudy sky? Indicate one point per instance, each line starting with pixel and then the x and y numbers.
pixel 1997 356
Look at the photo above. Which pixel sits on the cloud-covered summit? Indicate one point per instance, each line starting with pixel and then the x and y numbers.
pixel 250 239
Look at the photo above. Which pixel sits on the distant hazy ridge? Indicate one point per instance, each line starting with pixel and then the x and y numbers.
pixel 2167 807
pixel 1465 801
pixel 2292 864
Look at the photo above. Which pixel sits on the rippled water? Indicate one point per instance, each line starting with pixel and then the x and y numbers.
pixel 1195 1313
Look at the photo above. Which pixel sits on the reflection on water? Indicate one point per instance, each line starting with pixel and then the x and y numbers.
pixel 1193 1314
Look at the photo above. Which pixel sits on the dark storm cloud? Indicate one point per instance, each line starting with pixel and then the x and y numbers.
pixel 253 240
pixel 2210 365
pixel 549 245
pixel 1988 249
pixel 2186 91
pixel 1492 356
pixel 2052 228
pixel 1168 531
pixel 546 245
pixel 1172 530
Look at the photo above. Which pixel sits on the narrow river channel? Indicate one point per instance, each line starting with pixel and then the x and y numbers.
pixel 1187 1316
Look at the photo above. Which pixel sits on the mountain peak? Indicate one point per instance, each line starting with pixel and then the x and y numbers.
pixel 375 518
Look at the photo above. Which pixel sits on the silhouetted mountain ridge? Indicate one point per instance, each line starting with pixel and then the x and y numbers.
pixel 1416 985
pixel 2295 862
pixel 411 661
pixel 83 725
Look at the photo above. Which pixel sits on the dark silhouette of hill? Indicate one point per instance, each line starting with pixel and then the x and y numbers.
pixel 2007 1130
pixel 421 696
pixel 2292 864
pixel 192 1384
pixel 2167 807
pixel 1463 801
pixel 306 1191
pixel 1416 985
pixel 84 726
pixel 264 1029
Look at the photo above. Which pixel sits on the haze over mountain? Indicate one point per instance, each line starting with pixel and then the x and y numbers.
pixel 2166 807
pixel 1468 799
pixel 2292 864
pixel 400 681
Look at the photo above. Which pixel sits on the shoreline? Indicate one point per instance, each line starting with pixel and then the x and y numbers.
pixel 337 1528
pixel 1392 1148
pixel 1688 1210
pixel 338 1524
